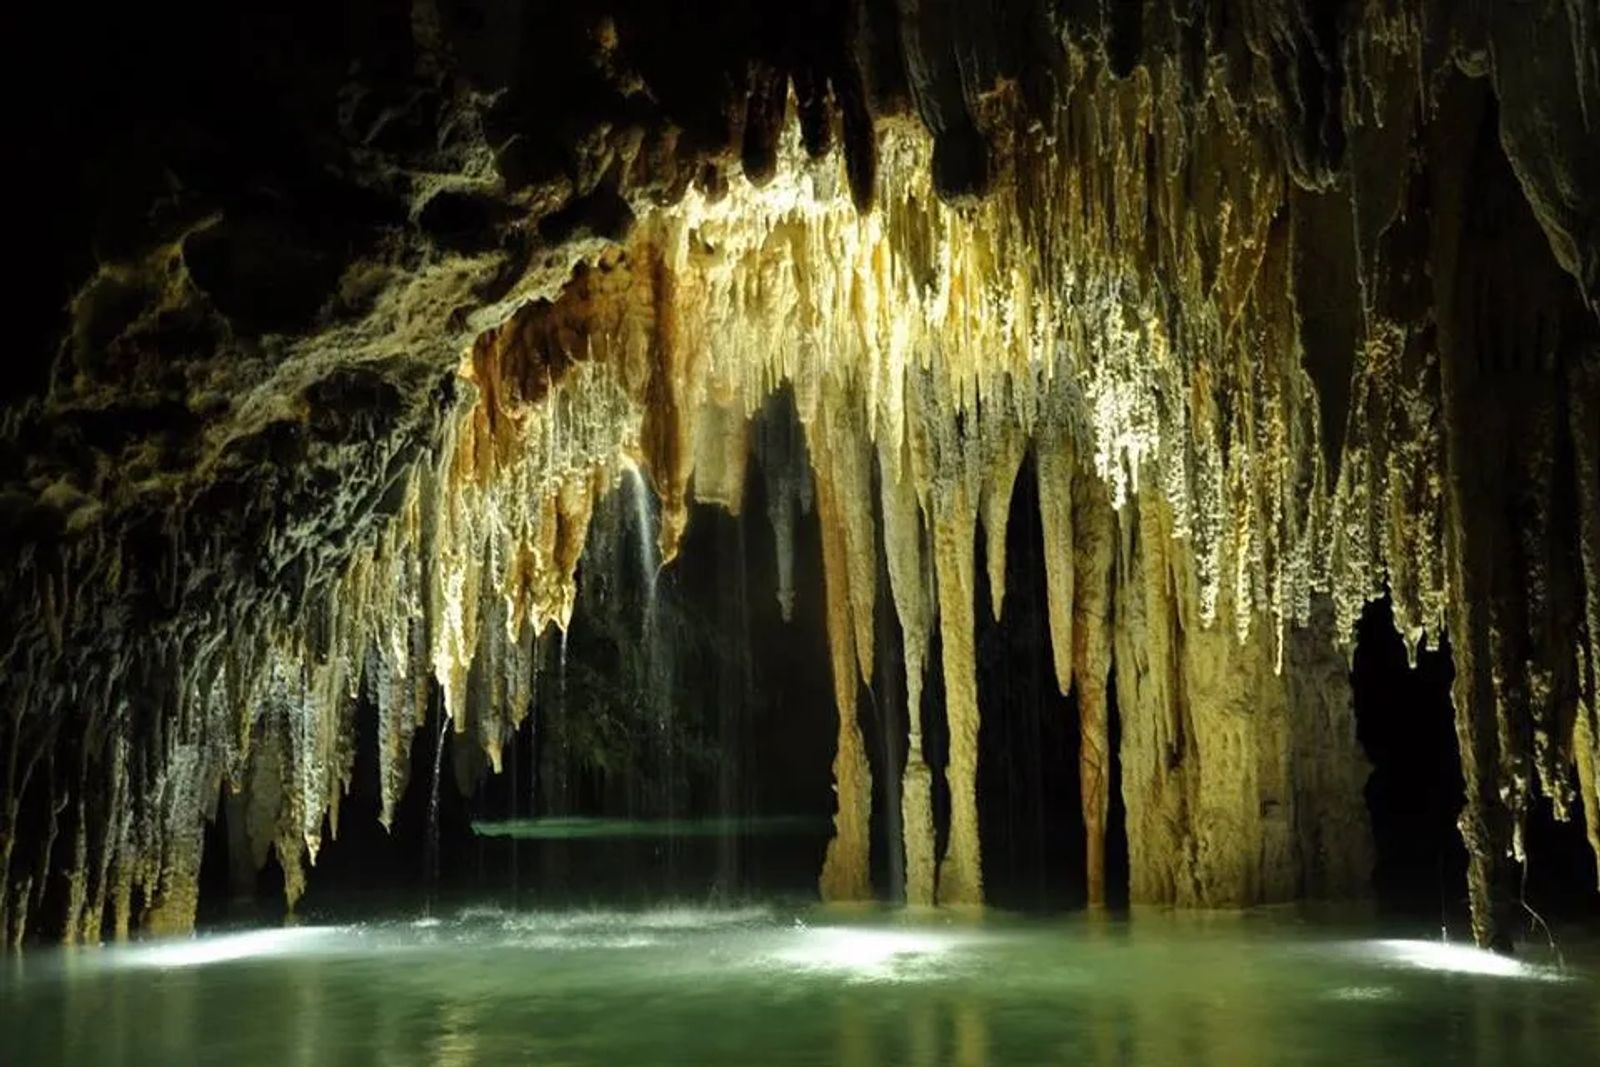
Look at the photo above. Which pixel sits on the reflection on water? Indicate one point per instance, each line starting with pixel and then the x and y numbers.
pixel 764 985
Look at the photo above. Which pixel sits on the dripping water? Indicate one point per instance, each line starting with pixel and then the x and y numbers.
pixel 556 868
pixel 533 737
pixel 561 721
pixel 432 880
pixel 648 563
pixel 654 664
pixel 734 697
pixel 516 858
pixel 561 676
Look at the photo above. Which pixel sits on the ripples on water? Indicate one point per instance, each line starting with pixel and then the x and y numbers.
pixel 768 985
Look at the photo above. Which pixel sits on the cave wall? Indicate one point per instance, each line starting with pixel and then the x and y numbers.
pixel 346 320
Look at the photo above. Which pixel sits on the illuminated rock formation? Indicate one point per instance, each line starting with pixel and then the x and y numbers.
pixel 1292 310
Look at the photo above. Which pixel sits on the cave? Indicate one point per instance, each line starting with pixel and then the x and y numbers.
pixel 905 531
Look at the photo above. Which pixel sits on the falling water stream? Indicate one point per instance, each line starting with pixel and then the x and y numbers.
pixel 432 879
pixel 561 677
pixel 533 741
pixel 561 769
pixel 656 685
pixel 649 565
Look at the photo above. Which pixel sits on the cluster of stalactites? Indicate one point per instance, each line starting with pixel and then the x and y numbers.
pixel 1163 353
pixel 929 347
pixel 1122 304
pixel 1178 356
pixel 946 343
pixel 479 557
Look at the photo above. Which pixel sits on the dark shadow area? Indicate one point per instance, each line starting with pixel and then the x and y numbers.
pixel 885 727
pixel 1406 723
pixel 1029 809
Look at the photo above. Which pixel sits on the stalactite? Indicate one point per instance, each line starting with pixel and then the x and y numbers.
pixel 1388 506
pixel 788 483
pixel 917 325
pixel 1005 443
pixel 842 459
pixel 671 406
pixel 1055 453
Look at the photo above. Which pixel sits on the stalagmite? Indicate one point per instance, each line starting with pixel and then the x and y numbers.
pixel 1005 443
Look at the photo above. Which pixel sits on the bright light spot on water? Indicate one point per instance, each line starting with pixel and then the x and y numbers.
pixel 220 948
pixel 1458 959
pixel 699 918
pixel 672 919
pixel 1363 992
pixel 872 953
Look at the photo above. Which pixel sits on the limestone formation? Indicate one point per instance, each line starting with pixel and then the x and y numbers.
pixel 1293 304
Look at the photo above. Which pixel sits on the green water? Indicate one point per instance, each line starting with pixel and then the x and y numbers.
pixel 571 828
pixel 772 985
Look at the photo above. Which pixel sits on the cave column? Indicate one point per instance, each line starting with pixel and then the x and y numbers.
pixel 955 518
pixel 1091 666
pixel 845 869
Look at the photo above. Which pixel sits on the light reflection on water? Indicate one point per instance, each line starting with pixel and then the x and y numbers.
pixel 767 985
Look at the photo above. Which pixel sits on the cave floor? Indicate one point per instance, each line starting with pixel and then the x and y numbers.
pixel 790 984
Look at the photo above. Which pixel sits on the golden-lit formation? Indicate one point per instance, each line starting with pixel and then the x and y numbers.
pixel 1123 306
pixel 938 344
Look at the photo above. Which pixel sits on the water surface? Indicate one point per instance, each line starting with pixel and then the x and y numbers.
pixel 780 985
